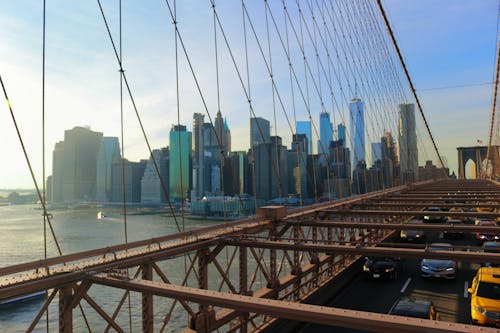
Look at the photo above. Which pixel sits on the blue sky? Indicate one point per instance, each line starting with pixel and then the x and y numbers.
pixel 445 43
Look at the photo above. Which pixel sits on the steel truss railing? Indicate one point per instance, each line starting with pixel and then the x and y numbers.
pixel 242 276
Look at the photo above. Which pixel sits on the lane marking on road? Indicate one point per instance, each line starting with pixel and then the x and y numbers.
pixel 466 286
pixel 406 285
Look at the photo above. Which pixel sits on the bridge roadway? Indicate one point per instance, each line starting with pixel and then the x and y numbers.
pixel 298 254
pixel 449 296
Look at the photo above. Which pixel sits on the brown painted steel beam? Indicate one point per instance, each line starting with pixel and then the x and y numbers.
pixel 398 226
pixel 421 204
pixel 79 272
pixel 147 300
pixel 479 257
pixel 431 200
pixel 368 321
pixel 42 310
pixel 65 309
pixel 249 225
pixel 103 314
pixel 360 212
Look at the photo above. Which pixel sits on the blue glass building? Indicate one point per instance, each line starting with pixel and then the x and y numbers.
pixel 325 133
pixel 357 134
pixel 341 135
pixel 304 127
pixel 109 152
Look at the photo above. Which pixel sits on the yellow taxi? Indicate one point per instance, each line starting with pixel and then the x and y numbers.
pixel 485 296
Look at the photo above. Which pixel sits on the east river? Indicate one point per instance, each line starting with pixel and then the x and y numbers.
pixel 22 240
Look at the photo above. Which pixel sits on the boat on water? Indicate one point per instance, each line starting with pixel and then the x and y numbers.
pixel 36 296
pixel 100 215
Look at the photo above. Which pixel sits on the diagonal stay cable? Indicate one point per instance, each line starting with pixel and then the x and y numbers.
pixel 400 56
pixel 39 193
pixel 178 37
pixel 155 163
pixel 493 106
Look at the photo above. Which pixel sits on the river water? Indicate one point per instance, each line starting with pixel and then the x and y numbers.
pixel 21 240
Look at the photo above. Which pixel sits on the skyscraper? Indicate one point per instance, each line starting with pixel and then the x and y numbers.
pixel 134 172
pixel 74 169
pixel 357 134
pixel 408 151
pixel 271 169
pixel 198 156
pixel 304 127
pixel 376 152
pixel 297 166
pixel 341 134
pixel 180 162
pixel 223 134
pixel 325 133
pixel 389 165
pixel 151 188
pixel 260 131
pixel 340 168
pixel 109 152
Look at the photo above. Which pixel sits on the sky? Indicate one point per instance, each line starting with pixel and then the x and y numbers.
pixel 445 43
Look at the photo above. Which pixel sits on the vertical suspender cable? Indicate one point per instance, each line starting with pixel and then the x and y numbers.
pixel 219 127
pixel 252 148
pixel 277 149
pixel 298 150
pixel 39 193
pixel 122 159
pixel 43 155
pixel 121 125
pixel 178 116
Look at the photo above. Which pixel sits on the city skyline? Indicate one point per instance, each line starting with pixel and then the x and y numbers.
pixel 94 67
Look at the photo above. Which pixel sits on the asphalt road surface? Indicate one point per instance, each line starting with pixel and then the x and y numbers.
pixel 449 296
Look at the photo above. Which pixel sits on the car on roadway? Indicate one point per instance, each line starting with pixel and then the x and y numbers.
pixel 485 296
pixel 453 233
pixel 480 220
pixel 470 219
pixel 412 235
pixel 382 268
pixel 484 236
pixel 433 219
pixel 491 247
pixel 438 268
pixel 408 307
pixel 456 210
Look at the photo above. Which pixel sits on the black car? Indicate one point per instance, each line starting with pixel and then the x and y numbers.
pixel 431 218
pixel 414 308
pixel 453 233
pixel 380 268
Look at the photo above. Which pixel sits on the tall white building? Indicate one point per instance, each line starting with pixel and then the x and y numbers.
pixel 408 151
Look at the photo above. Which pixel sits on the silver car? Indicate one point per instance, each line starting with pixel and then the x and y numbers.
pixel 440 268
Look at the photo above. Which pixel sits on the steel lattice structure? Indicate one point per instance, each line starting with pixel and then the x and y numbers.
pixel 244 275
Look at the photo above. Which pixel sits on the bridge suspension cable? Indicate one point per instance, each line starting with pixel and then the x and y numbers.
pixel 492 118
pixel 400 56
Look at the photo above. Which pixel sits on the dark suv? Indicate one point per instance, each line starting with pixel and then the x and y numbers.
pixel 414 308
